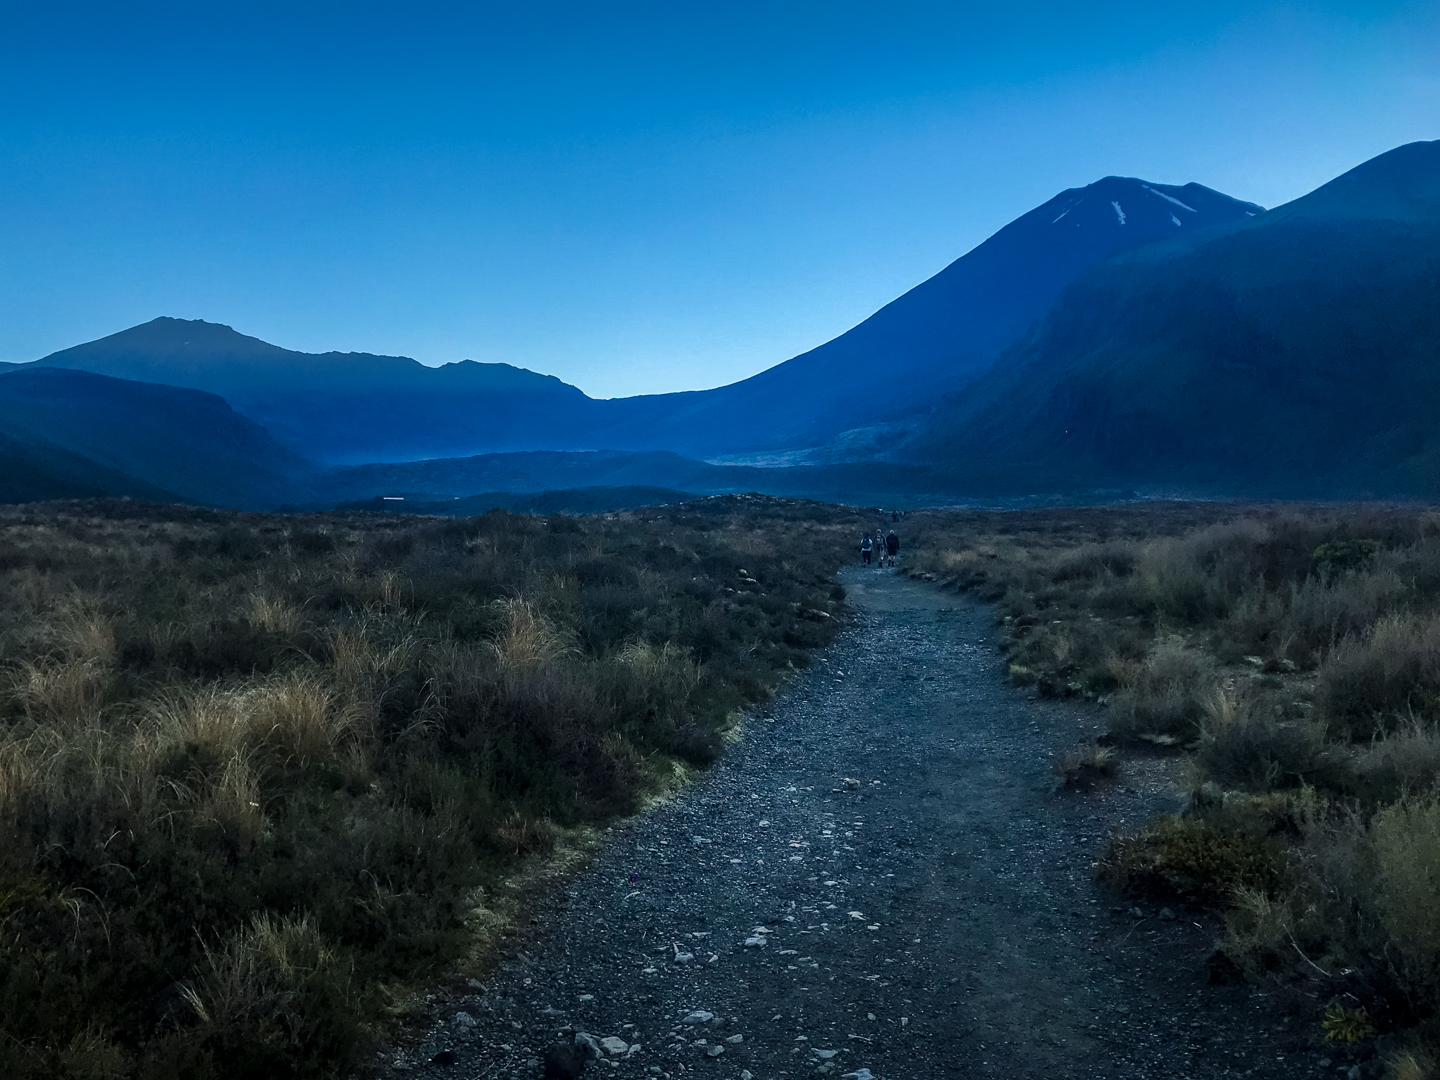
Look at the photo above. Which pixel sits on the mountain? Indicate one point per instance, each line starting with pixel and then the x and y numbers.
pixel 932 340
pixel 351 408
pixel 114 436
pixel 1296 353
pixel 338 408
pixel 33 470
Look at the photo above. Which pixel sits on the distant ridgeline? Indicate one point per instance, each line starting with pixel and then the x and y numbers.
pixel 1122 335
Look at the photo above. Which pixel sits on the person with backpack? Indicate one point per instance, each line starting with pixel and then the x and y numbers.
pixel 892 546
pixel 866 547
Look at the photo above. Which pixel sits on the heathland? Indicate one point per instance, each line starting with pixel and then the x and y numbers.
pixel 261 776
pixel 1291 657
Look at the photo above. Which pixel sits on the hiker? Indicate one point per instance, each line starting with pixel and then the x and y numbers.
pixel 892 546
pixel 866 546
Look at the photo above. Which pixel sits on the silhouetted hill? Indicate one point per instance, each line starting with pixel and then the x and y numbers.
pixel 342 407
pixel 33 470
pixel 168 440
pixel 1297 353
pixel 351 408
pixel 934 339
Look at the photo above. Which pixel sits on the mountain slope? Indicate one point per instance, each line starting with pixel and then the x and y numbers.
pixel 1296 353
pixel 340 407
pixel 932 340
pixel 32 470
pixel 181 441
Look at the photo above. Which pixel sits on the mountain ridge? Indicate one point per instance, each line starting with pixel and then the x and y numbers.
pixel 1295 353
pixel 929 341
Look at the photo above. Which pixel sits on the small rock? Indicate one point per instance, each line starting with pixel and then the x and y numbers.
pixel 851 783
pixel 755 942
pixel 1354 1073
pixel 699 1016
pixel 1167 914
pixel 588 1045
pixel 465 1020
pixel 1137 913
pixel 563 1061
pixel 824 1055
pixel 715 1051
pixel 746 1074
pixel 474 984
pixel 614 1047
pixel 858 1074
pixel 735 1040
pixel 682 957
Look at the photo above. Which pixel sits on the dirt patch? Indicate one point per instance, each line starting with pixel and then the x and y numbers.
pixel 880 867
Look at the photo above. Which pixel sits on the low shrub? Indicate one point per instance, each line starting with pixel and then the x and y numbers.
pixel 1168 699
pixel 1406 844
pixel 1244 745
pixel 1194 860
pixel 1394 670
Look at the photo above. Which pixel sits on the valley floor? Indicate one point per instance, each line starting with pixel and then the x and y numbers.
pixel 939 918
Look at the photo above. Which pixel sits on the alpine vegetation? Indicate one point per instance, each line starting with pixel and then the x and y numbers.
pixel 260 776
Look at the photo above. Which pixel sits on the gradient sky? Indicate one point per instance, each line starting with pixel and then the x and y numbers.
pixel 634 197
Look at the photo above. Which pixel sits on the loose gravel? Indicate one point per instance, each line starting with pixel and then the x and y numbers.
pixel 880 875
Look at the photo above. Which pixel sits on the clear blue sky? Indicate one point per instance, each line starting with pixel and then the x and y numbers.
pixel 633 197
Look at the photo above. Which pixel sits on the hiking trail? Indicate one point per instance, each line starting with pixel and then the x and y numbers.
pixel 879 874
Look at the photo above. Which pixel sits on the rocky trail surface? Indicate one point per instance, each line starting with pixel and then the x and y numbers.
pixel 881 876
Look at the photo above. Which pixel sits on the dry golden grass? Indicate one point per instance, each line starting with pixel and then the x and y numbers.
pixel 263 764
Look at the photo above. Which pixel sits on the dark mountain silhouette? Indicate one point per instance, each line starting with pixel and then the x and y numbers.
pixel 341 407
pixel 350 408
pixel 33 470
pixel 1295 354
pixel 157 442
pixel 932 340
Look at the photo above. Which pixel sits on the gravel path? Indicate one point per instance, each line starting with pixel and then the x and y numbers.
pixel 879 875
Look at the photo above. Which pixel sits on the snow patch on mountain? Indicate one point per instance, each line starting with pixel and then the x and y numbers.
pixel 1118 212
pixel 1175 219
pixel 1169 198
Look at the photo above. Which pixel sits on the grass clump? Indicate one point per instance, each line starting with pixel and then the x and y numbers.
pixel 1086 766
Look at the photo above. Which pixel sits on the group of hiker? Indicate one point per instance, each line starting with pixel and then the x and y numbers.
pixel 884 549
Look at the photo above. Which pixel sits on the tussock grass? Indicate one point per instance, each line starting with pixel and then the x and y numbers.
pixel 1083 767
pixel 256 772
pixel 1293 654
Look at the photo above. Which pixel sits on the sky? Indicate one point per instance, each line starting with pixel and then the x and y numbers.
pixel 637 198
